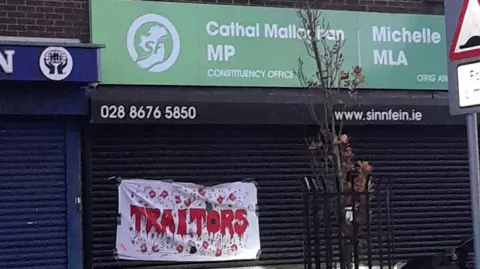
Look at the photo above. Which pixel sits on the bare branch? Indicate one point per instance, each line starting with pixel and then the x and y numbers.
pixel 330 151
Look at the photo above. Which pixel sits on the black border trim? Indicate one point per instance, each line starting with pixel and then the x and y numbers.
pixel 273 106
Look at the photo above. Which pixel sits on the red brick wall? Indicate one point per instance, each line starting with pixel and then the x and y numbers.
pixel 45 18
pixel 70 18
pixel 389 6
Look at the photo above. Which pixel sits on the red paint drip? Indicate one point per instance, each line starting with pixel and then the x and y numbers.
pixel 123 247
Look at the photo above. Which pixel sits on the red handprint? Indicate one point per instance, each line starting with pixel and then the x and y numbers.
pixel 152 194
pixel 164 194
pixel 143 248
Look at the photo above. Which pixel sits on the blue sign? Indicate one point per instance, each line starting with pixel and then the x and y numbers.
pixel 49 63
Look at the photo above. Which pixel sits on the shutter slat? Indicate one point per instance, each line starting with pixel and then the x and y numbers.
pixel 426 165
pixel 33 223
pixel 430 197
pixel 273 156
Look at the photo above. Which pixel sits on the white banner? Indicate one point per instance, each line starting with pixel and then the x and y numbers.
pixel 169 221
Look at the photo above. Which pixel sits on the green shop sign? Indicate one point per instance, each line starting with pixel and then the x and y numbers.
pixel 158 43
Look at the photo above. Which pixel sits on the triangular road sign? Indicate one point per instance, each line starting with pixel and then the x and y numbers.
pixel 466 40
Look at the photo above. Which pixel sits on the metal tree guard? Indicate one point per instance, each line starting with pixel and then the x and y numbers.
pixel 372 247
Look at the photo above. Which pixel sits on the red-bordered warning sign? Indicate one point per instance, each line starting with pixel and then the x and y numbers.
pixel 466 40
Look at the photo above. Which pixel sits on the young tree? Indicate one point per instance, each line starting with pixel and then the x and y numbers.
pixel 332 160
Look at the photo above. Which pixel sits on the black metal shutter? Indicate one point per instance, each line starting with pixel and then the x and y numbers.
pixel 33 214
pixel 426 165
pixel 428 168
pixel 273 156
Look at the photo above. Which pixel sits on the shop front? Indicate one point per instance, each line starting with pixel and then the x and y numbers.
pixel 423 159
pixel 208 108
pixel 42 104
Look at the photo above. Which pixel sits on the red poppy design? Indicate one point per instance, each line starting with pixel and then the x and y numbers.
pixel 234 247
pixel 155 249
pixel 220 199
pixel 205 244
pixel 232 197
pixel 218 253
pixel 180 249
pixel 177 199
pixel 201 191
pixel 187 202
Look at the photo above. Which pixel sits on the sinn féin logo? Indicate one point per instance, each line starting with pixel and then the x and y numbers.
pixel 56 63
pixel 153 43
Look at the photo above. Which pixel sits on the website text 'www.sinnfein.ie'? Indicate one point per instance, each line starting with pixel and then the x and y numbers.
pixel 379 115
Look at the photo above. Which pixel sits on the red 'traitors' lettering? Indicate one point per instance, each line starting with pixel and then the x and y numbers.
pixel 213 221
pixel 182 222
pixel 152 220
pixel 241 223
pixel 138 213
pixel 198 215
pixel 227 222
pixel 167 221
pixel 235 222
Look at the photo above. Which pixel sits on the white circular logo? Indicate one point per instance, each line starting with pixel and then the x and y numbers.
pixel 153 43
pixel 56 63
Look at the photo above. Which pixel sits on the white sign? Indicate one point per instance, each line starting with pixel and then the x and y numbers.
pixel 150 51
pixel 466 40
pixel 469 84
pixel 56 63
pixel 168 221
pixel 6 61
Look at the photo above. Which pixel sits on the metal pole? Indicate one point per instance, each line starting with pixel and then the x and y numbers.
pixel 473 163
